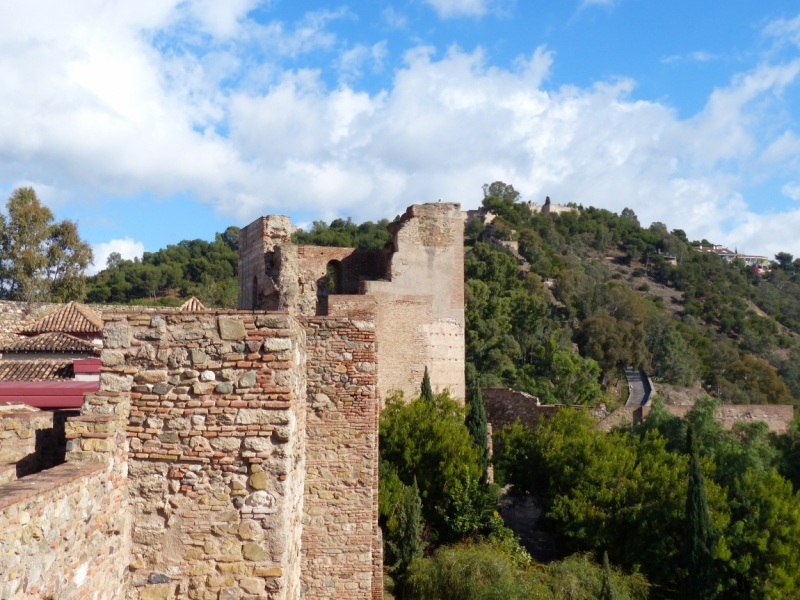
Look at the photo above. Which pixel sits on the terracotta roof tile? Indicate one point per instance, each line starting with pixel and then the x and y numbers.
pixel 54 341
pixel 36 370
pixel 70 318
pixel 192 304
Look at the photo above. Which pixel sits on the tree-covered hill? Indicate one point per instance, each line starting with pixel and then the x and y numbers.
pixel 602 269
pixel 611 300
pixel 189 268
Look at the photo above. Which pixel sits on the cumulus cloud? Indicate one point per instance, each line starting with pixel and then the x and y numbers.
pixel 127 247
pixel 96 103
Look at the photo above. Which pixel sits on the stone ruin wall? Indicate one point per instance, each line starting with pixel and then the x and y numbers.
pixel 505 406
pixel 416 290
pixel 63 534
pixel 420 310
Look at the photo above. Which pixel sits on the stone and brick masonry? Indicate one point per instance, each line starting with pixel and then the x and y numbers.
pixel 233 455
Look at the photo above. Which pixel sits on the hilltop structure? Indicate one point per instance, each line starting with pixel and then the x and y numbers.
pixel 234 454
pixel 751 260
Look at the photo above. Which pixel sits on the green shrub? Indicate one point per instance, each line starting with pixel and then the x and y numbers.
pixel 486 571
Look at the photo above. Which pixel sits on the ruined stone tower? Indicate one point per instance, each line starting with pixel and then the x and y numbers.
pixel 414 289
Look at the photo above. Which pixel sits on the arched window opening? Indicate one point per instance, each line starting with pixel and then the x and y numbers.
pixel 334 277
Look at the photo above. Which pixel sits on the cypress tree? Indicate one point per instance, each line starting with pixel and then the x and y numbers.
pixel 608 591
pixel 700 581
pixel 477 423
pixel 427 390
pixel 407 541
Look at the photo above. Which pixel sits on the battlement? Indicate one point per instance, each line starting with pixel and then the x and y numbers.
pixel 415 286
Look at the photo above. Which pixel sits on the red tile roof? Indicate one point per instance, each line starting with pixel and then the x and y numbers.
pixel 36 370
pixel 70 318
pixel 192 304
pixel 48 342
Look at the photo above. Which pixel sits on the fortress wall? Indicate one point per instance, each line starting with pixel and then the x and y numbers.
pixel 778 417
pixel 420 312
pixel 504 406
pixel 301 275
pixel 257 243
pixel 215 450
pixel 63 534
pixel 342 548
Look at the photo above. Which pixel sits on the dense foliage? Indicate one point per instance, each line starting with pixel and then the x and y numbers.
pixel 487 571
pixel 189 268
pixel 626 492
pixel 432 467
pixel 345 233
pixel 601 268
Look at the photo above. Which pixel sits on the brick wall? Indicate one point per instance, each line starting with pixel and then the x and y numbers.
pixel 342 547
pixel 63 534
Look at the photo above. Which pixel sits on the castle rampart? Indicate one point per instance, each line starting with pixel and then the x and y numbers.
pixel 416 288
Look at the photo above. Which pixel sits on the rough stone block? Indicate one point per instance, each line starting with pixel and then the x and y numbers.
pixel 277 344
pixel 253 551
pixel 226 444
pixel 116 335
pixel 112 358
pixel 111 382
pixel 161 591
pixel 248 380
pixel 231 329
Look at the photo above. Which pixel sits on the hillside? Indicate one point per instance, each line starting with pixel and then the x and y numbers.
pixel 583 294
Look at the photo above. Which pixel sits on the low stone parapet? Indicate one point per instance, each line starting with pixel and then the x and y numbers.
pixel 62 534
pixel 18 428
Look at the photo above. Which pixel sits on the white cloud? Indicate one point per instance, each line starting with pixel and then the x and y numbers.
pixel 785 30
pixel 460 8
pixel 598 3
pixel 127 247
pixel 351 62
pixel 394 19
pixel 91 106
pixel 791 190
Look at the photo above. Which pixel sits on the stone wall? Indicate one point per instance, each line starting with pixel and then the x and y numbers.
pixel 504 406
pixel 777 417
pixel 30 440
pixel 63 534
pixel 215 450
pixel 416 286
pixel 342 547
pixel 257 242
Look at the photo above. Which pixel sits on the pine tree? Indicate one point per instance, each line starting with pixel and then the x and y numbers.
pixel 477 424
pixel 608 591
pixel 427 390
pixel 407 543
pixel 700 582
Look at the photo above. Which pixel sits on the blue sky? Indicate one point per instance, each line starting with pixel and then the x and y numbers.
pixel 174 119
